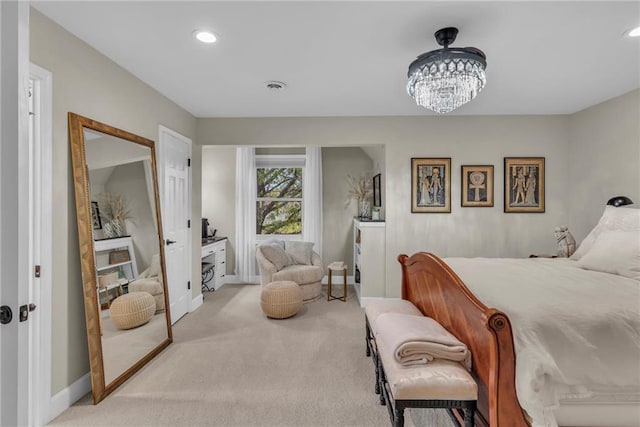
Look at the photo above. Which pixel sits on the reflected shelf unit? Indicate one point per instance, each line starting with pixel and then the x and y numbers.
pixel 104 247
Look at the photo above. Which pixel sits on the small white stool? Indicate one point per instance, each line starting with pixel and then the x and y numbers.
pixel 343 268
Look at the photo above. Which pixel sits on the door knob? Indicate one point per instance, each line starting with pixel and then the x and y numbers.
pixel 5 314
pixel 170 242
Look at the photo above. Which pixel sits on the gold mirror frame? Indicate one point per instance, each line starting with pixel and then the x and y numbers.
pixel 77 124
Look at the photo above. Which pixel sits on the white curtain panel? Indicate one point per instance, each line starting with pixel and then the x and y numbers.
pixel 245 214
pixel 312 194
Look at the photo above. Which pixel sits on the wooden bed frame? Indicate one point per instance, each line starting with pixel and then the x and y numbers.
pixel 430 284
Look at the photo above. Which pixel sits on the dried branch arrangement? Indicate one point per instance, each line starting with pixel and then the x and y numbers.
pixel 359 188
pixel 114 207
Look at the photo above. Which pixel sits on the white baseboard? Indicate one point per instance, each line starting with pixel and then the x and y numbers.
pixel 196 303
pixel 226 279
pixel 68 396
pixel 232 278
pixel 366 300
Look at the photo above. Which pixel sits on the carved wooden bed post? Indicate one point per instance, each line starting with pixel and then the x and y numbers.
pixel 438 292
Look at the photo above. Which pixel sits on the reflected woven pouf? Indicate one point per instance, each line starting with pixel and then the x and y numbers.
pixel 132 309
pixel 281 299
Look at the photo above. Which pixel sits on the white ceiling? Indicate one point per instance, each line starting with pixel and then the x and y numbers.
pixel 351 58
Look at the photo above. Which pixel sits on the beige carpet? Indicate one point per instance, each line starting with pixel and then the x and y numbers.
pixel 123 348
pixel 231 366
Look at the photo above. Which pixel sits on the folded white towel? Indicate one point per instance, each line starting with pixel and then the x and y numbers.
pixel 417 340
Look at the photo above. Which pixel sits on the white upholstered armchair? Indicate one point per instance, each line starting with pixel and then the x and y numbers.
pixel 150 281
pixel 298 263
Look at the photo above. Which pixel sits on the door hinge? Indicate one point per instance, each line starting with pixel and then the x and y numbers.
pixel 36 271
pixel 189 284
pixel 188 163
pixel 188 223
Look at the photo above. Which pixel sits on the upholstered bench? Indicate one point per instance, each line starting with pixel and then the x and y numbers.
pixel 374 309
pixel 438 384
pixel 281 299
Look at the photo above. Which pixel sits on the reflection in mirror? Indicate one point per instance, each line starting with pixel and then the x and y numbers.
pixel 121 249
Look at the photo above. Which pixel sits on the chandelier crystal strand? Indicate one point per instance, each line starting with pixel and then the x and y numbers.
pixel 446 79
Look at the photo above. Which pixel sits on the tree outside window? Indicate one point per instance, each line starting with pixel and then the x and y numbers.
pixel 279 201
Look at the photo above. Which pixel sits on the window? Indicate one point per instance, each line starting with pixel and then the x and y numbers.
pixel 279 200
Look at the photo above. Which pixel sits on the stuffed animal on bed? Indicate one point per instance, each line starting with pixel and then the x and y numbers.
pixel 566 242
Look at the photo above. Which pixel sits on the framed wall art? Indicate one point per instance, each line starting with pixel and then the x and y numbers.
pixel 377 195
pixel 477 186
pixel 524 184
pixel 119 256
pixel 95 216
pixel 431 185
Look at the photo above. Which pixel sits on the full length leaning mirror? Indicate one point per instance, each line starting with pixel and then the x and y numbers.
pixel 121 250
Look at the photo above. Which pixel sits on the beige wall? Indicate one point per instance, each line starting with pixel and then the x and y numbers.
pixel 472 232
pixel 196 223
pixel 87 83
pixel 337 235
pixel 603 140
pixel 129 181
pixel 468 140
pixel 379 156
pixel 604 159
pixel 218 196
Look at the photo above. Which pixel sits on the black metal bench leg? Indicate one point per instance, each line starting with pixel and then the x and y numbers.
pixel 398 418
pixel 377 389
pixel 367 337
pixel 381 380
pixel 468 416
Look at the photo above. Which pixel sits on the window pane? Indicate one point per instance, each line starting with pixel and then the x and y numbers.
pixel 278 183
pixel 278 217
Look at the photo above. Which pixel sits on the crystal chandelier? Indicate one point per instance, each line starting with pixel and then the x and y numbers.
pixel 445 79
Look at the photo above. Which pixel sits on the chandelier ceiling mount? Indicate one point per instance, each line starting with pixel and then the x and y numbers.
pixel 445 79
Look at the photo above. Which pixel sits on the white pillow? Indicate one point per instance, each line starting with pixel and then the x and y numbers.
pixel 613 219
pixel 276 255
pixel 616 252
pixel 274 242
pixel 300 252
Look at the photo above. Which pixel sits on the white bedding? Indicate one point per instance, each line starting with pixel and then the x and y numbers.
pixel 576 332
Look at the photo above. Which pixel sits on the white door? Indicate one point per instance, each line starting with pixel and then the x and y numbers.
pixel 174 163
pixel 14 207
pixel 40 248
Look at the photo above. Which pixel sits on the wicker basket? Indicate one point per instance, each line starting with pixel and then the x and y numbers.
pixel 281 299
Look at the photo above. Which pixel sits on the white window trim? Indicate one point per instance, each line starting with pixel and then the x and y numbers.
pixel 281 161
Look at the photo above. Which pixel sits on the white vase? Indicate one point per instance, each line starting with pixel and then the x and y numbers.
pixel 114 228
pixel 364 209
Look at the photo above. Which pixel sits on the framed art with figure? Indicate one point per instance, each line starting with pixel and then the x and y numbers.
pixel 377 196
pixel 431 185
pixel 477 186
pixel 524 184
pixel 95 216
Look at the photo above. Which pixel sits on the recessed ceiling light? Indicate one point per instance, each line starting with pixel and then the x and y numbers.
pixel 634 33
pixel 275 86
pixel 205 36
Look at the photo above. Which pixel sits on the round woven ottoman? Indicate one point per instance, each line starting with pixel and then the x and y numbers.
pixel 132 309
pixel 281 299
